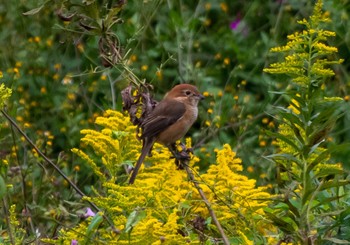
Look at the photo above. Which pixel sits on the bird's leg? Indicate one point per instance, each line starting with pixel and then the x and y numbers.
pixel 180 156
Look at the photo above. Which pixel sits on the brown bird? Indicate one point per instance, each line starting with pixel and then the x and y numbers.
pixel 169 121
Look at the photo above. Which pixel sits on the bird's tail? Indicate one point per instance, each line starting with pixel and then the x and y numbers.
pixel 147 146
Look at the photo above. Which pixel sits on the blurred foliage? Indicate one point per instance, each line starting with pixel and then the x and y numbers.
pixel 312 187
pixel 63 76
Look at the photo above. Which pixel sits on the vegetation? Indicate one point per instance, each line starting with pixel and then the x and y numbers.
pixel 270 144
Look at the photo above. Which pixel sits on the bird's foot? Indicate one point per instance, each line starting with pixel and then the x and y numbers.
pixel 181 154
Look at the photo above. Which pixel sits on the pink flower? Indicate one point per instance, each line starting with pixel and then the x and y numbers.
pixel 234 24
pixel 74 242
pixel 89 213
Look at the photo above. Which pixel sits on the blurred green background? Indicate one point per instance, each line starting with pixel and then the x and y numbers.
pixel 60 85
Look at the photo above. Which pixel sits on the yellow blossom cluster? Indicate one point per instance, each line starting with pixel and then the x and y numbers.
pixel 305 50
pixel 162 205
pixel 5 93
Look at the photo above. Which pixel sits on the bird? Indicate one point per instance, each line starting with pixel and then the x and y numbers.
pixel 169 121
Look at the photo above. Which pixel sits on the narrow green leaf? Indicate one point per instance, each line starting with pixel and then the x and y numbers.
pixel 327 172
pixel 135 217
pixel 94 224
pixel 323 155
pixel 285 224
pixel 111 16
pixel 34 11
pixel 2 187
pixel 292 118
pixel 282 206
pixel 327 201
pixel 332 183
pixel 283 138
pixel 337 241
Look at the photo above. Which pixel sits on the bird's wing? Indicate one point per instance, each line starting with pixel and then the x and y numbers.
pixel 164 114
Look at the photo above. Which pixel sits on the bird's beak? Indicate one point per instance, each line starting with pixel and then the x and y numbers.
pixel 201 96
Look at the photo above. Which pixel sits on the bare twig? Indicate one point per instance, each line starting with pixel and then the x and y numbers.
pixel 206 202
pixel 182 159
pixel 71 183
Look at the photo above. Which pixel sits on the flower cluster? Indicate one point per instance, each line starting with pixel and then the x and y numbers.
pixel 5 93
pixel 305 50
pixel 163 206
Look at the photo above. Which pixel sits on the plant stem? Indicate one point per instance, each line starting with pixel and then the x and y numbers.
pixel 207 203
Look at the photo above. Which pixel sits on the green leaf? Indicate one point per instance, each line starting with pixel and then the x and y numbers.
pixel 135 217
pixel 2 187
pixel 292 119
pixel 208 222
pixel 327 172
pixel 337 241
pixel 94 224
pixel 327 201
pixel 332 184
pixel 283 138
pixel 176 18
pixel 323 155
pixel 111 16
pixel 282 206
pixel 286 224
pixel 282 156
pixel 186 204
pixel 34 11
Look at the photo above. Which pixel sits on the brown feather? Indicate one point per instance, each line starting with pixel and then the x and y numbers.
pixel 166 113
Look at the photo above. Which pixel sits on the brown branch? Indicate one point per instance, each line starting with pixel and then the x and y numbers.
pixel 71 183
pixel 206 201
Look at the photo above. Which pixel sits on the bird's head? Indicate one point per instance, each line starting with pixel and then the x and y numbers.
pixel 185 93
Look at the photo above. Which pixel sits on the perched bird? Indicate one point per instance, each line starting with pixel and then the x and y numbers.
pixel 169 121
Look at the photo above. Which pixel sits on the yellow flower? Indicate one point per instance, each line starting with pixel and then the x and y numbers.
pixel 49 42
pixel 55 76
pixel 159 74
pixel 80 47
pixel 37 39
pixel 43 90
pixel 265 120
pixel 224 7
pixel 57 66
pixel 207 22
pixel 207 6
pixel 262 143
pixel 133 58
pixel 218 56
pixel 71 96
pixel 226 61
pixel 67 80
pixel 250 169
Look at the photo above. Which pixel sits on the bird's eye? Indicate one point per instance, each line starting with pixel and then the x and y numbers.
pixel 188 92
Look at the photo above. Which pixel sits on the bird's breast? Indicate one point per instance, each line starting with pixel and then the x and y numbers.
pixel 177 130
